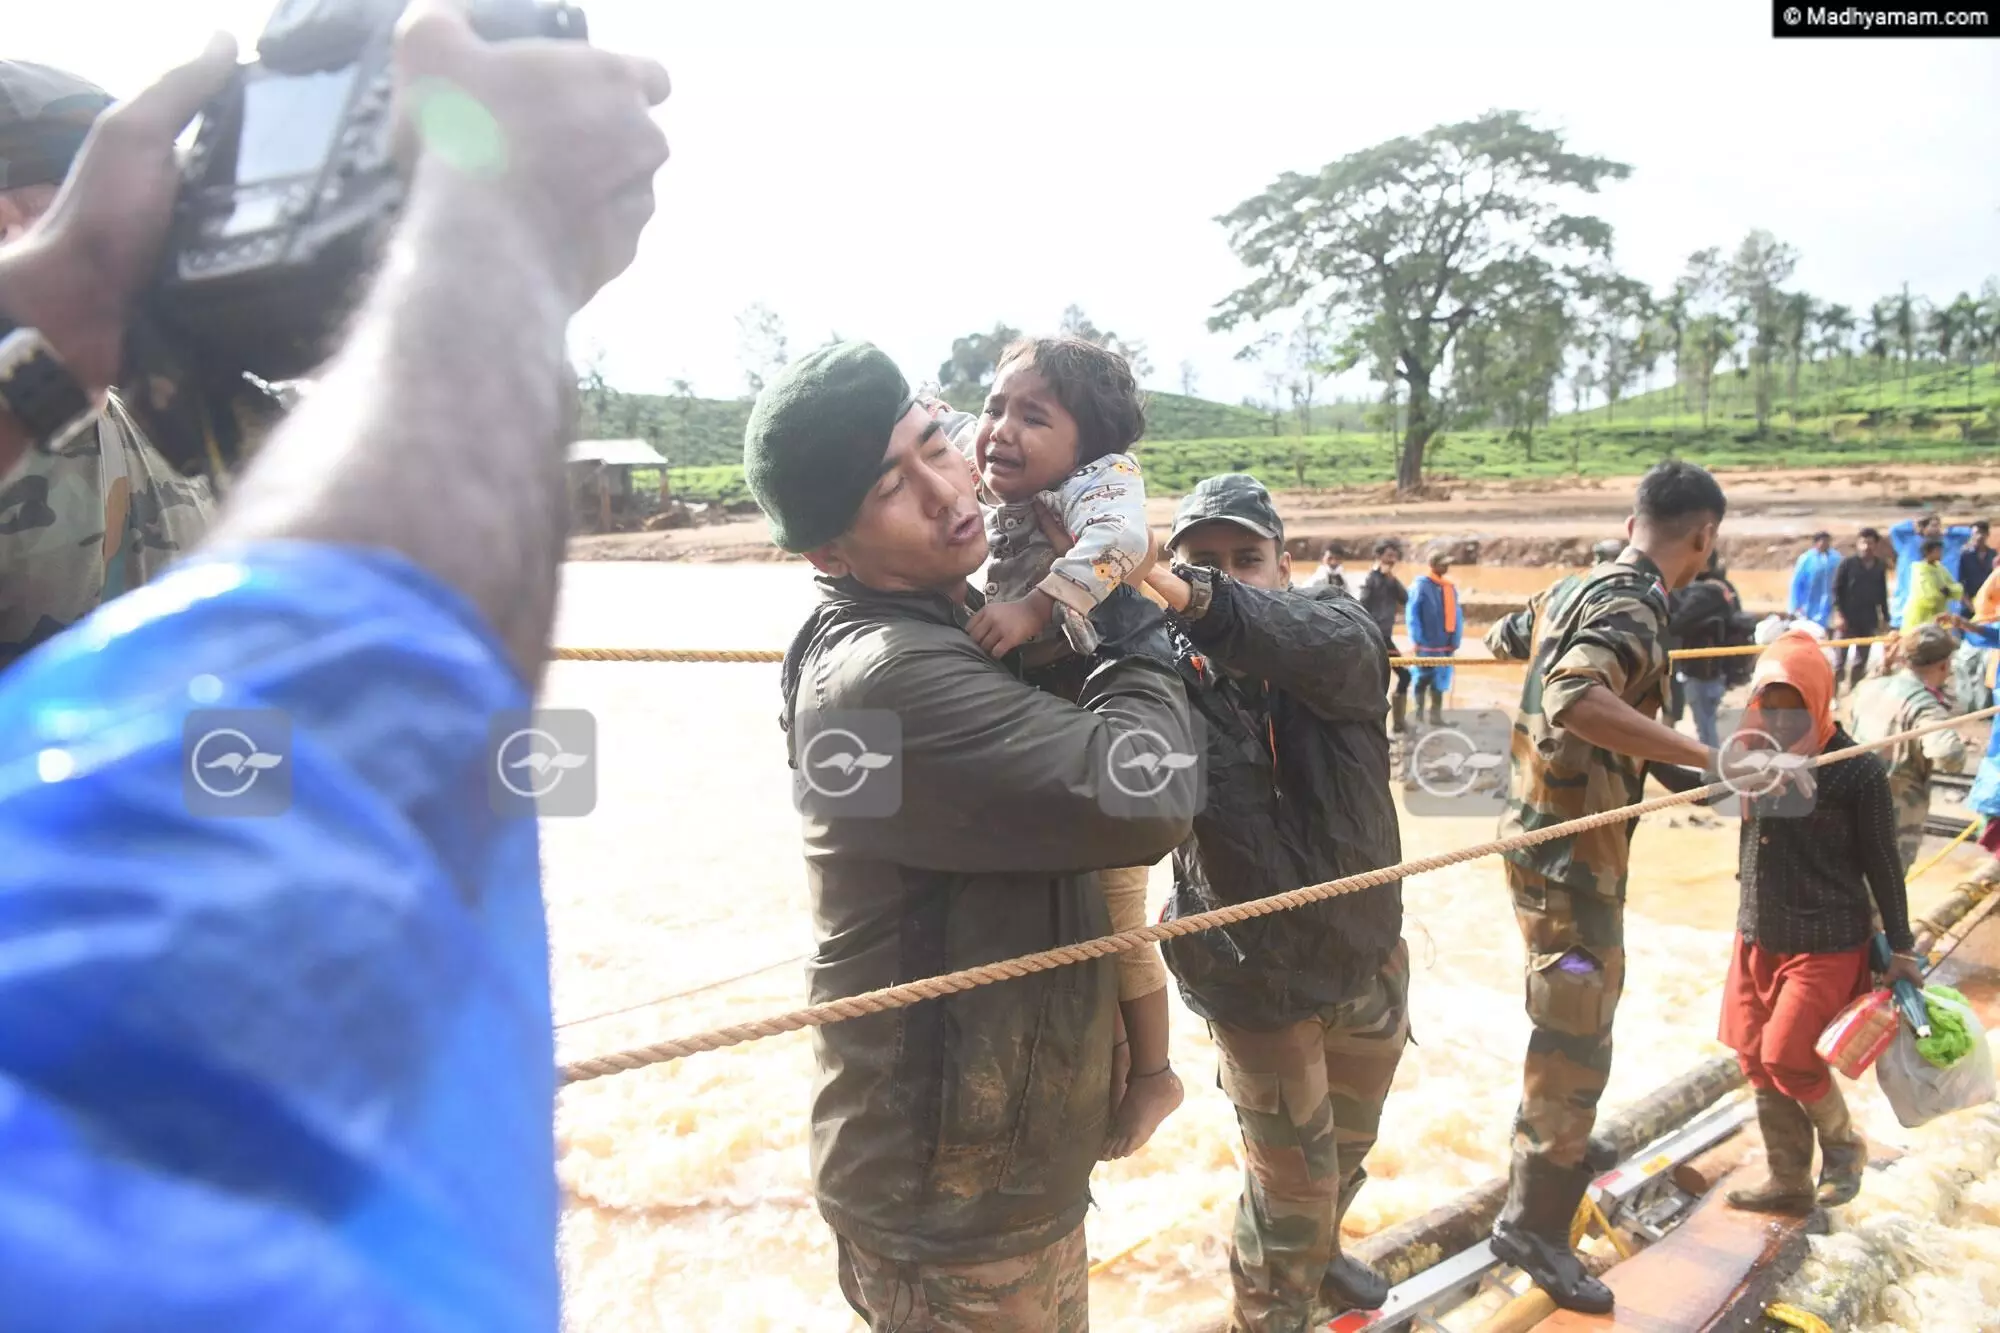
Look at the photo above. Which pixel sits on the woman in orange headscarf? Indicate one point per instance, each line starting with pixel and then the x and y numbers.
pixel 1813 849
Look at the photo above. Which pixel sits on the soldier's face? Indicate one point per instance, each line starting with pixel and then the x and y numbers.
pixel 1237 552
pixel 919 528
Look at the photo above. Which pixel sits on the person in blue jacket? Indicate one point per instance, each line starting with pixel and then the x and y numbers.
pixel 1812 581
pixel 1984 798
pixel 275 1039
pixel 1908 538
pixel 1436 629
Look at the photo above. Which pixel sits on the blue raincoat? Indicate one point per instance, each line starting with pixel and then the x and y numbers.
pixel 1437 627
pixel 1812 586
pixel 283 1072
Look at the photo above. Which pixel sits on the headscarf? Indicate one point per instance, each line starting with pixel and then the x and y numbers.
pixel 1794 658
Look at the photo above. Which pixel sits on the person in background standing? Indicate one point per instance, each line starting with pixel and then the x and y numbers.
pixel 1708 613
pixel 1436 630
pixel 1916 690
pixel 1860 602
pixel 1908 538
pixel 1327 573
pixel 1975 562
pixel 1383 596
pixel 1607 550
pixel 1932 588
pixel 1812 581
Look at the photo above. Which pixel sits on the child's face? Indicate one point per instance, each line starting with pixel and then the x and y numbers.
pixel 1027 441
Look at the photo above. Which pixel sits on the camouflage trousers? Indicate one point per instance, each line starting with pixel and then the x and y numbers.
pixel 1309 1101
pixel 1576 972
pixel 1046 1289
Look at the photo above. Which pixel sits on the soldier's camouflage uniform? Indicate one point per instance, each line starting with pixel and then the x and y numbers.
pixel 1047 1290
pixel 1885 705
pixel 1607 628
pixel 88 523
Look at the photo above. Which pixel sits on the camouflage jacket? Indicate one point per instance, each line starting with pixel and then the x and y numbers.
pixel 1607 627
pixel 88 523
pixel 1897 702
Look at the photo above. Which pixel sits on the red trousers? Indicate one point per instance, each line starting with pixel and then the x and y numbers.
pixel 1774 1007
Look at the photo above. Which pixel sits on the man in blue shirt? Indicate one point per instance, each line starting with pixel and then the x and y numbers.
pixel 296 1071
pixel 1436 630
pixel 1812 581
pixel 1908 538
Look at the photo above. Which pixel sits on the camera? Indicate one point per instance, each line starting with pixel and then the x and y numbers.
pixel 290 189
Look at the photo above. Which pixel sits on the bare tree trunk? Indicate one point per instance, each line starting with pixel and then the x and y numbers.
pixel 1416 437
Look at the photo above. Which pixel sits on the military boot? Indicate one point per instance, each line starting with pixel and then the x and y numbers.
pixel 1788 1144
pixel 1533 1234
pixel 1350 1284
pixel 1843 1152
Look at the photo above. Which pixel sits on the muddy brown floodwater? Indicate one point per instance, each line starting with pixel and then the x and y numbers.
pixel 687 1198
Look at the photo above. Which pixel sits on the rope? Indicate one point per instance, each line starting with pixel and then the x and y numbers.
pixel 951 983
pixel 772 655
pixel 1963 834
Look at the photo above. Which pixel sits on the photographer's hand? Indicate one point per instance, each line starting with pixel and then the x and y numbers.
pixel 439 428
pixel 566 153
pixel 76 274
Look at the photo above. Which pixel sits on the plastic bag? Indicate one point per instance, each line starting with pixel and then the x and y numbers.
pixel 1853 1041
pixel 1919 1091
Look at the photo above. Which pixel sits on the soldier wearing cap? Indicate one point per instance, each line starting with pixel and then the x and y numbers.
pixel 952 1141
pixel 105 512
pixel 1917 691
pixel 1309 1008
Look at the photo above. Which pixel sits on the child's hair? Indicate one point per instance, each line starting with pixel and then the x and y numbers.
pixel 1932 546
pixel 1094 385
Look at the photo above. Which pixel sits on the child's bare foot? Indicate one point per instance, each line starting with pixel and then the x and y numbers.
pixel 1149 1099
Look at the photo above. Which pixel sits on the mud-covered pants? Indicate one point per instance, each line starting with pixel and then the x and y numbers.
pixel 1045 1289
pixel 1575 973
pixel 1308 1099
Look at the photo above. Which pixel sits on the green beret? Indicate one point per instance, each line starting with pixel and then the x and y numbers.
pixel 815 440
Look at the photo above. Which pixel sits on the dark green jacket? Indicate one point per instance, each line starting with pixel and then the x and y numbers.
pixel 965 1129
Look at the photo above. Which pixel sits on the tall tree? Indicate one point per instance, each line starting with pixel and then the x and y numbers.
pixel 1674 315
pixel 761 346
pixel 1307 360
pixel 1762 264
pixel 1989 297
pixel 1190 380
pixel 969 372
pixel 1415 238
pixel 1836 334
pixel 1799 315
pixel 1959 331
pixel 1881 340
pixel 1908 323
pixel 1710 338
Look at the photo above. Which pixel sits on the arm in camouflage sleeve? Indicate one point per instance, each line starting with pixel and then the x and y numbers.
pixel 1617 639
pixel 1511 637
pixel 1321 646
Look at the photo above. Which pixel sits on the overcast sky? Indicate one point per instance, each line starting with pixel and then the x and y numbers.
pixel 909 172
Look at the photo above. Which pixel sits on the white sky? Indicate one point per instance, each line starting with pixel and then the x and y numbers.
pixel 908 172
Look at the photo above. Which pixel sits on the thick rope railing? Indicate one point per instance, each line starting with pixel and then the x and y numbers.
pixel 772 655
pixel 951 983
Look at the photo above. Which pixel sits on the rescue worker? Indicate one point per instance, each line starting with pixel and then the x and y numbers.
pixel 1915 693
pixel 952 1141
pixel 1436 630
pixel 104 512
pixel 1812 581
pixel 1860 602
pixel 1907 540
pixel 1308 1008
pixel 1585 737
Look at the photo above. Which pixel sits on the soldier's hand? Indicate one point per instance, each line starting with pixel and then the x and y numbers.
pixel 560 133
pixel 77 273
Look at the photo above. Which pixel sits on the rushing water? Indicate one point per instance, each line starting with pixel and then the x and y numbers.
pixel 688 1204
